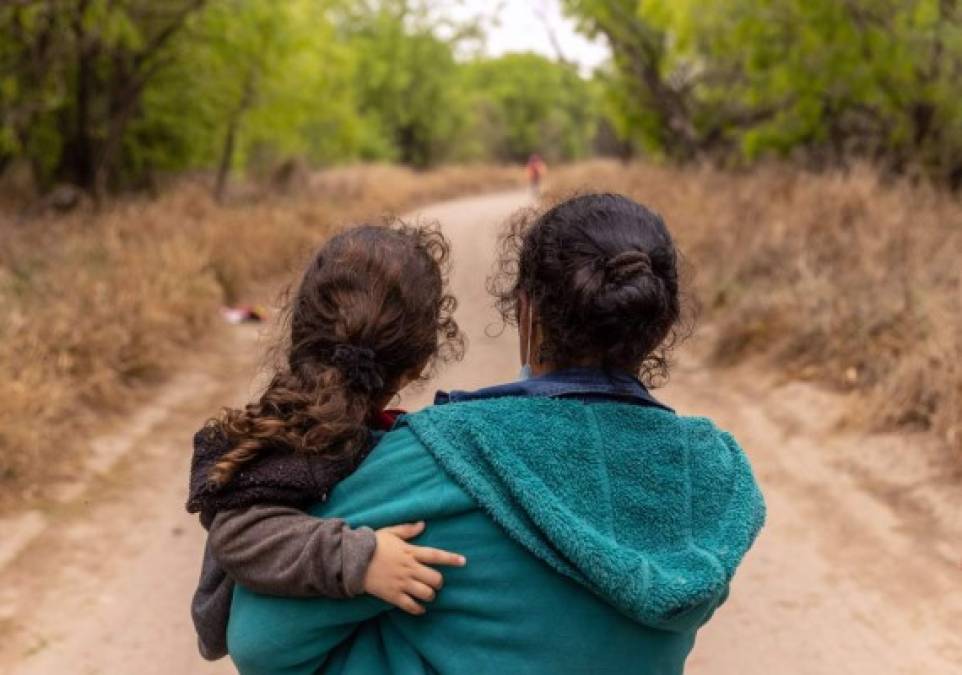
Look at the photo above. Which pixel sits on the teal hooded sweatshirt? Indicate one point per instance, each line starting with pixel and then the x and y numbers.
pixel 599 538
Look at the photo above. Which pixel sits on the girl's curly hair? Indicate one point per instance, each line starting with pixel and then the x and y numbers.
pixel 602 272
pixel 371 311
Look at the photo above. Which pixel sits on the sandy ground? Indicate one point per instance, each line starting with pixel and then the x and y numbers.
pixel 856 572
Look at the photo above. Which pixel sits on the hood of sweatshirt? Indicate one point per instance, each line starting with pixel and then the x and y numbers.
pixel 651 511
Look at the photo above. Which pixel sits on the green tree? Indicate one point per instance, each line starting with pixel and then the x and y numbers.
pixel 407 82
pixel 649 102
pixel 876 79
pixel 260 80
pixel 107 94
pixel 527 103
pixel 74 76
pixel 825 79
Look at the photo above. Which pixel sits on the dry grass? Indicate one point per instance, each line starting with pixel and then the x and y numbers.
pixel 92 306
pixel 843 278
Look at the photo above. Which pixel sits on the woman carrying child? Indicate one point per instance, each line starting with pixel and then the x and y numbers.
pixel 602 528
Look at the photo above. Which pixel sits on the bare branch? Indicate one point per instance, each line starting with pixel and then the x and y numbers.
pixel 541 10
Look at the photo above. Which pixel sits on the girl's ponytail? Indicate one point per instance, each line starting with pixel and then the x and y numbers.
pixel 370 313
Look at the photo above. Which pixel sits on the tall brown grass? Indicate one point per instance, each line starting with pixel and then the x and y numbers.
pixel 845 278
pixel 93 305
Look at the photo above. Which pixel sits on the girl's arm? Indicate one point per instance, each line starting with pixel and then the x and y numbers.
pixel 278 550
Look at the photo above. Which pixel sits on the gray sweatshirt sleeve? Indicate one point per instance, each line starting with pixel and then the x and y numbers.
pixel 279 550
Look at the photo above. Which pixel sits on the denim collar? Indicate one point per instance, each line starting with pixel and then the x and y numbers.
pixel 586 384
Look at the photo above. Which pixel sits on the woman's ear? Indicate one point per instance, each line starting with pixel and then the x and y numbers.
pixel 524 307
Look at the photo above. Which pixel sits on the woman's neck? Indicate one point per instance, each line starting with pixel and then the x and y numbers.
pixel 547 367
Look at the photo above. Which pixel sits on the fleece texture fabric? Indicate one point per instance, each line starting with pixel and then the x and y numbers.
pixel 280 477
pixel 634 517
pixel 599 538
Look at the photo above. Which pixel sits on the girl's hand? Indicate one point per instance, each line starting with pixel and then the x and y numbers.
pixel 399 572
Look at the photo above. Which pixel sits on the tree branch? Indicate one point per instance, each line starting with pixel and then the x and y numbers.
pixel 541 11
pixel 168 32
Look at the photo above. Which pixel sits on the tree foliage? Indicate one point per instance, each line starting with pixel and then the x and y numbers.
pixel 111 94
pixel 407 82
pixel 74 76
pixel 527 103
pixel 824 79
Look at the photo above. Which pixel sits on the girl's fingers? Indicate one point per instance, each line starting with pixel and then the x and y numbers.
pixel 420 591
pixel 406 603
pixel 429 576
pixel 435 556
pixel 406 530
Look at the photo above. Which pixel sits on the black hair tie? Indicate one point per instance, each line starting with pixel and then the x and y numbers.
pixel 359 367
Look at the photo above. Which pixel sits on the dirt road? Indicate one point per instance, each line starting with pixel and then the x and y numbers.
pixel 856 571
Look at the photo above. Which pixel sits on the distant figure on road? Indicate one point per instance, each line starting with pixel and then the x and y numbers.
pixel 536 169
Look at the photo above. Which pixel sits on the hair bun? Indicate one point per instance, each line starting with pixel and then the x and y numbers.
pixel 627 265
pixel 358 366
pixel 629 288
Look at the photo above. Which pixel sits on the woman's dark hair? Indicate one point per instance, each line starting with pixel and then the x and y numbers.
pixel 371 310
pixel 602 273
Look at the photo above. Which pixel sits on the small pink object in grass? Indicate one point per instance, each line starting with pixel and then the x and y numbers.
pixel 243 314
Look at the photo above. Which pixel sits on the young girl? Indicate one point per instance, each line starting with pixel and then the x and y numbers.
pixel 370 315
